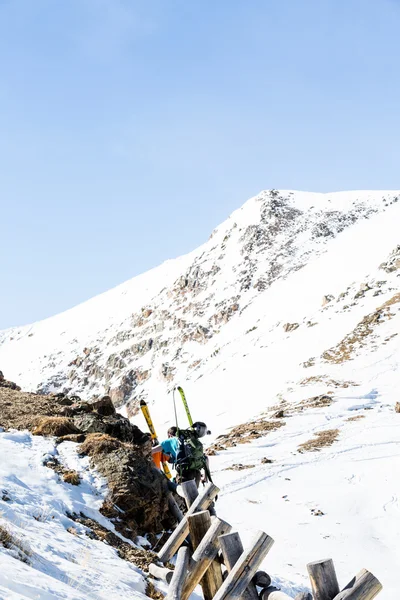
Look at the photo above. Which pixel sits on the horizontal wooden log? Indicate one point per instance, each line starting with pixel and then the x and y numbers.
pixel 232 548
pixel 245 568
pixel 203 556
pixel 364 586
pixel 324 583
pixel 161 573
pixel 178 535
pixel 262 579
pixel 273 593
pixel 179 576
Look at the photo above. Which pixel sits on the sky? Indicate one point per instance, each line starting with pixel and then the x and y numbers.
pixel 130 129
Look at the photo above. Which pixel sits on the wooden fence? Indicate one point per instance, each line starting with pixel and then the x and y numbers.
pixel 214 557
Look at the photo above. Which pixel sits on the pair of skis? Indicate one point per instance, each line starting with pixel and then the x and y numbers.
pixel 146 413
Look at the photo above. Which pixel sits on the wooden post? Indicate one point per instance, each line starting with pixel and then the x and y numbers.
pixel 174 508
pixel 262 579
pixel 178 535
pixel 324 583
pixel 160 573
pixel 232 548
pixel 179 576
pixel 189 491
pixel 199 524
pixel 203 557
pixel 245 568
pixel 364 586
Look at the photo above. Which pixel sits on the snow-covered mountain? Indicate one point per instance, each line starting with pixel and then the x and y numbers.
pixel 287 318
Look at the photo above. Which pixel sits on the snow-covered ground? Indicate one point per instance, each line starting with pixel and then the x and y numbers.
pixel 34 503
pixel 346 346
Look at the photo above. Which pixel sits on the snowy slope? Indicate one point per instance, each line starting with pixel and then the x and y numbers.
pixel 49 562
pixel 295 295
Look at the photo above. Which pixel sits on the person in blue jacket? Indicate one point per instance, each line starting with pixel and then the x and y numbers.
pixel 171 444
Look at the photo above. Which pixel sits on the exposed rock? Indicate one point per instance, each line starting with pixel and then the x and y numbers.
pixel 136 487
pixel 393 262
pixel 115 426
pixel 290 327
pixel 8 384
pixel 279 414
pixel 397 407
pixel 103 406
pixel 327 299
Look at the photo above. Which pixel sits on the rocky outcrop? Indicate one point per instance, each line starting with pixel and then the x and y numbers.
pixel 8 384
pixel 137 501
pixel 393 262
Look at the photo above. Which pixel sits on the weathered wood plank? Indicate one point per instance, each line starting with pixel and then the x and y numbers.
pixel 179 534
pixel 204 556
pixel 232 548
pixel 324 583
pixel 364 586
pixel 189 491
pixel 179 575
pixel 245 568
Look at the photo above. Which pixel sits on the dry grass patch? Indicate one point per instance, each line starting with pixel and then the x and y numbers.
pixel 12 542
pixel 152 592
pixel 242 434
pixel 99 443
pixel 321 439
pixel 356 418
pixel 72 477
pixel 239 467
pixel 57 426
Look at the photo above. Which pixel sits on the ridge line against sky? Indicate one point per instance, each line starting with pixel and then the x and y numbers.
pixel 131 128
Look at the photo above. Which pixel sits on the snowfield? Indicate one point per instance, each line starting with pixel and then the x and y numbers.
pixel 295 296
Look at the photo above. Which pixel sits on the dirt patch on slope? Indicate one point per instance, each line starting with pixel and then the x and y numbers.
pixel 20 410
pixel 361 334
pixel 321 439
pixel 328 381
pixel 242 434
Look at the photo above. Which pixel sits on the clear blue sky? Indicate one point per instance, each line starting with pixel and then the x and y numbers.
pixel 130 129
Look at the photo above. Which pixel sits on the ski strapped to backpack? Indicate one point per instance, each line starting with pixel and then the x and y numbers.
pixel 146 413
pixel 191 452
pixel 185 404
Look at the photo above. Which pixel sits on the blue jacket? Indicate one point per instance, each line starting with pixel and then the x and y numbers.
pixel 170 446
